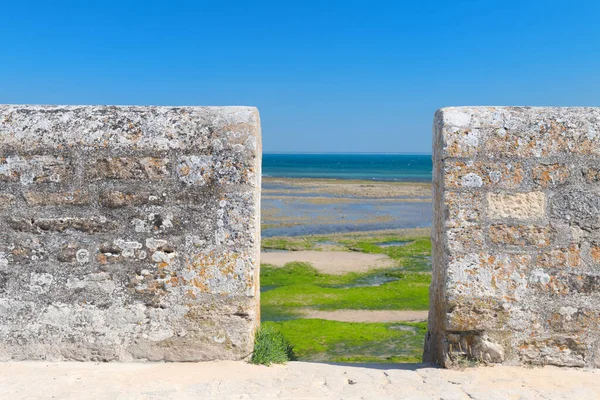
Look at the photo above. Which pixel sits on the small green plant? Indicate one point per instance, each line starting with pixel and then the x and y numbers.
pixel 271 347
pixel 465 361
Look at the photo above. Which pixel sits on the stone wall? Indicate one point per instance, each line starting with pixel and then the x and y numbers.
pixel 516 238
pixel 129 233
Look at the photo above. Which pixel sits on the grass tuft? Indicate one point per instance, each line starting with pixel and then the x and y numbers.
pixel 271 347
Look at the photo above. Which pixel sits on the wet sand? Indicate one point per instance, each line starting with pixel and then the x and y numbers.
pixel 369 316
pixel 301 207
pixel 342 187
pixel 329 262
pixel 297 207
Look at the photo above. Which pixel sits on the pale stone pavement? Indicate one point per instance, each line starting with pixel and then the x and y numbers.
pixel 297 380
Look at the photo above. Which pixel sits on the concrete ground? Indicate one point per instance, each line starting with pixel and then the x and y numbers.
pixel 297 380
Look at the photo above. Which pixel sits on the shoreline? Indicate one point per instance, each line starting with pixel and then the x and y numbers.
pixel 400 233
pixel 352 188
pixel 305 206
pixel 270 179
pixel 316 178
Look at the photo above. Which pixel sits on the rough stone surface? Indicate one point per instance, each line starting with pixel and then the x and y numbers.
pixel 106 253
pixel 76 198
pixel 516 238
pixel 517 206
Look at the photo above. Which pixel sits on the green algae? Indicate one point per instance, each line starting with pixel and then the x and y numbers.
pixel 334 341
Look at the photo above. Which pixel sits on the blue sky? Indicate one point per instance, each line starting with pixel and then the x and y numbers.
pixel 327 76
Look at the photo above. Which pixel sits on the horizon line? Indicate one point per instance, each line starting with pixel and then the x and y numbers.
pixel 349 153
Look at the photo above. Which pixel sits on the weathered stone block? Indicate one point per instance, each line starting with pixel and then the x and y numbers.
pixel 516 206
pixel 573 319
pixel 210 170
pixel 117 198
pixel 474 174
pixel 562 351
pixel 211 130
pixel 111 250
pixel 75 198
pixel 560 258
pixel 464 238
pixel 34 169
pixel 473 345
pixel 486 275
pixel 145 168
pixel 536 132
pixel 23 251
pixel 62 224
pixel 521 235
pixel 590 174
pixel 462 141
pixel 69 252
pixel 516 236
pixel 577 206
pixel 463 207
pixel 595 252
pixel 6 200
pixel 468 315
pixel 551 175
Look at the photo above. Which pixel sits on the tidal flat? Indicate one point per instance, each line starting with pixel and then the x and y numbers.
pixel 298 207
pixel 303 301
pixel 346 267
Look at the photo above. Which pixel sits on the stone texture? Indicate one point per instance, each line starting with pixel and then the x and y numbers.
pixel 516 237
pixel 560 258
pixel 128 198
pixel 147 168
pixel 62 224
pixel 591 174
pixel 516 206
pixel 551 174
pixel 579 206
pixel 521 235
pixel 6 200
pixel 474 174
pixel 109 251
pixel 75 198
pixel 34 169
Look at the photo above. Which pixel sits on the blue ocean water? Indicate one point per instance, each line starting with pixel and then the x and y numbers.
pixel 380 167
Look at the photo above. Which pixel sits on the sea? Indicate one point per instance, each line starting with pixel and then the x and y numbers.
pixel 287 211
pixel 378 167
